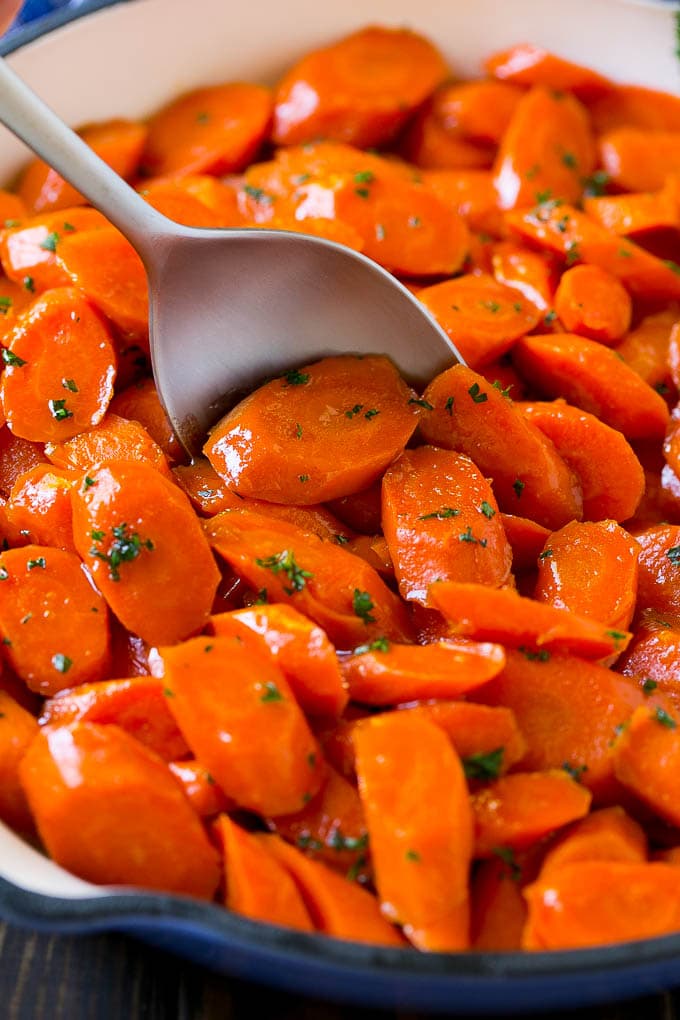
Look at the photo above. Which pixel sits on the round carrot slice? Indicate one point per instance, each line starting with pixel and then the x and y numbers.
pixel 594 303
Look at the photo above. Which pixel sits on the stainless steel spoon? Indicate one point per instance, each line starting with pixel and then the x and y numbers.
pixel 231 307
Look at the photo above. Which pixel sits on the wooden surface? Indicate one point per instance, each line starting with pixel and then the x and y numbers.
pixel 110 977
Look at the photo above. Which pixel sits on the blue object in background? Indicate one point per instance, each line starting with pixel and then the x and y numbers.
pixel 34 9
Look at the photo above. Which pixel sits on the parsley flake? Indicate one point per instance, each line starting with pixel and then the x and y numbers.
pixel 673 554
pixel 59 410
pixel 69 384
pixel 448 406
pixel 354 411
pixel 293 377
pixel 546 554
pixel 487 509
pixel 380 644
pixel 478 396
pixel 507 856
pixel 10 358
pixel 412 855
pixel 125 547
pixel 50 242
pixel 443 514
pixel 662 717
pixel 61 662
pixel 575 771
pixel 484 764
pixel 467 536
pixel 422 403
pixel 362 604
pixel 371 414
pixel 284 563
pixel 519 487
pixel 271 692
pixel 649 686
pixel 38 562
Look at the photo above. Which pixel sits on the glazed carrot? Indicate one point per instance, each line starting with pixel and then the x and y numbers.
pixel 110 273
pixel 204 487
pixel 526 539
pixel 335 589
pixel 634 214
pixel 18 728
pixel 500 614
pixel 113 438
pixel 118 142
pixel 526 64
pixel 640 160
pixel 429 144
pixel 200 789
pixel 16 457
pixel 529 477
pixel 386 674
pixel 14 298
pixel 659 566
pixel 634 106
pixel 256 884
pixel 337 906
pixel 217 195
pixel 375 551
pixel 471 193
pixel 140 403
pixel 117 817
pixel 137 705
pixel 653 656
pixel 547 148
pixel 503 377
pixel 303 652
pixel 647 350
pixel 605 835
pixel 595 379
pixel 53 623
pixel 590 569
pixel 590 448
pixel 529 272
pixel 593 303
pixel 498 909
pixel 487 740
pixel 12 209
pixel 361 510
pixel 360 90
pixel 145 550
pixel 597 902
pixel 671 443
pixel 646 756
pixel 39 508
pixel 568 711
pixel 60 368
pixel 228 698
pixel 441 522
pixel 336 425
pixel 182 207
pixel 482 317
pixel 28 251
pixel 331 827
pixel 479 110
pixel 567 231
pixel 213 130
pixel 418 814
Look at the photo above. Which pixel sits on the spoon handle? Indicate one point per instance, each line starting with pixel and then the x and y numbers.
pixel 31 120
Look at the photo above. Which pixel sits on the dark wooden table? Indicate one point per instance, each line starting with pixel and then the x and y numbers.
pixel 110 977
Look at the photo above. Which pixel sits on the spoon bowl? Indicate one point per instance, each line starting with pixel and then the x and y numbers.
pixel 230 307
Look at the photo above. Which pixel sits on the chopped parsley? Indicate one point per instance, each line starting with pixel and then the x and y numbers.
pixel 4 573
pixel 422 403
pixel 362 604
pixel 569 160
pixel 10 358
pixel 380 644
pixel 59 410
pixel 573 253
pixel 507 856
pixel 293 377
pixel 259 195
pixel 542 655
pixel 673 554
pixel 284 563
pixel 371 414
pixel 498 385
pixel 487 509
pixel 662 717
pixel 412 855
pixel 339 842
pixel 61 662
pixel 549 317
pixel 596 185
pixel 357 409
pixel 443 514
pixel 125 547
pixel 448 406
pixel 364 177
pixel 575 771
pixel 467 536
pixel 478 396
pixel 491 306
pixel 303 478
pixel 519 487
pixel 5 304
pixel 69 384
pixel 38 562
pixel 546 554
pixel 298 430
pixel 50 242
pixel 484 764
pixel 649 686
pixel 271 692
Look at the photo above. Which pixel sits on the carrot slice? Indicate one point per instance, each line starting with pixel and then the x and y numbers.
pixel 12 209
pixel 39 508
pixel 28 250
pixel 647 349
pixel 488 740
pixel 595 304
pixel 499 912
pixel 385 674
pixel 418 814
pixel 548 148
pixel 137 705
pixel 639 160
pixel 213 130
pixel 145 550
pixel 634 214
pixel 659 567
pixel 14 298
pixel 118 142
pixel 471 193
pixel 54 624
pixel 479 110
pixel 114 438
pixel 303 652
pixel 526 538
pixel 529 272
pixel 204 487
pixel 256 884
pixel 634 106
pixel 60 369
pixel 529 476
pixel 360 90
pixel 337 907
pixel 526 64
pixel 592 377
pixel 605 835
pixel 429 144
pixel 482 317
pixel 18 728
pixel 653 656
pixel 200 788
pixel 317 433
pixel 441 522
pixel 117 816
pixel 646 758
pixel 360 511
pixel 16 457
pixel 140 403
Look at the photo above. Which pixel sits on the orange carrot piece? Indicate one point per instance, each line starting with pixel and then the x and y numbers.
pixel 108 810
pixel 386 674
pixel 59 380
pixel 605 835
pixel 28 251
pixel 646 759
pixel 18 728
pixel 118 142
pixel 590 447
pixel 499 912
pixel 335 589
pixel 429 144
pixel 637 213
pixel 440 519
pixel 518 810
pixel 218 196
pixel 137 705
pixel 568 711
pixel 659 568
pixel 182 207
pixel 331 827
pixel 419 820
pixel 53 623
pixel 488 740
pixel 228 697
pixel 590 569
pixel 140 403
pixel 647 349
pixel 256 884
pixel 592 903
pixel 529 65
pixel 375 551
pixel 317 433
pixel 360 90
pixel 482 317
pixel 39 508
pixel 337 906
pixel 634 106
pixel 471 193
pixel 638 160
pixel 303 652
pixel 12 210
pixel 529 476
pixel 479 110
pixel 14 298
pixel 593 378
pixel 213 130
pixel 16 457
pixel 200 789
pixel 529 272
pixel 653 656
pixel 204 487
pixel 113 438
pixel 526 538
pixel 593 303
pixel 360 511
pixel 145 549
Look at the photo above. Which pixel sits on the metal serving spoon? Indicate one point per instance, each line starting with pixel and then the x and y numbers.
pixel 231 307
